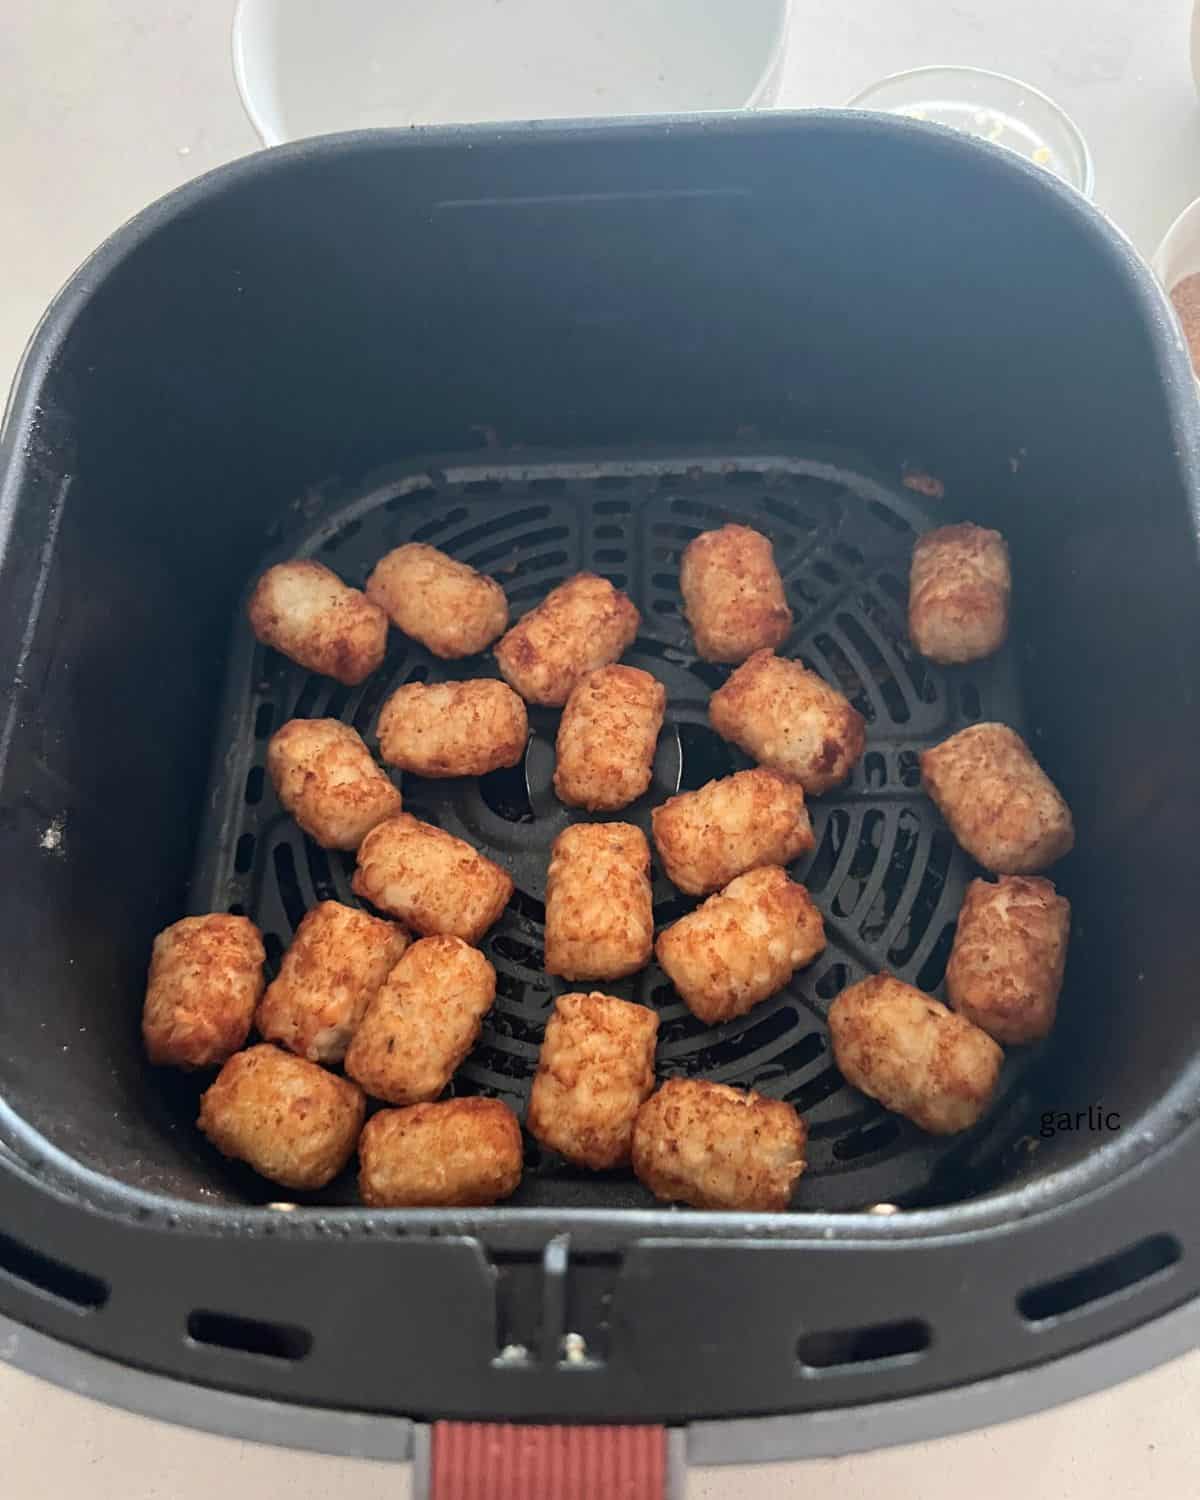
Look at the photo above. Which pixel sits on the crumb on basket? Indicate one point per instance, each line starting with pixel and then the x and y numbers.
pixel 51 839
pixel 923 483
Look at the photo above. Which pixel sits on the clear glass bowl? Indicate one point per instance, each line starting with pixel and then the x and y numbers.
pixel 1178 258
pixel 991 107
pixel 1179 253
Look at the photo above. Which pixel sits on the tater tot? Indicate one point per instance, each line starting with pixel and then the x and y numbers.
pixel 206 974
pixel 914 1055
pixel 287 1118
pixel 338 959
pixel 789 720
pixel 583 624
pixel 716 1147
pixel 742 944
pixel 599 904
pixel 422 1021
pixel 1001 806
pixel 325 777
pixel 732 594
pixel 1010 950
pixel 462 1153
pixel 430 880
pixel 453 728
pixel 446 605
pixel 708 837
pixel 305 611
pixel 595 1068
pixel 958 592
pixel 606 738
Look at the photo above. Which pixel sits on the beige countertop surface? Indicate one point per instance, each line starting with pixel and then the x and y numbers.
pixel 107 104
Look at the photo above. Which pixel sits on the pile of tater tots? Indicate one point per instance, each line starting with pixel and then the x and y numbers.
pixel 385 1001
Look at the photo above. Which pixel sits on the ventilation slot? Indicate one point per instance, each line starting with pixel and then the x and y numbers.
pixel 440 523
pixel 846 1348
pixel 510 550
pixel 705 757
pixel 933 970
pixel 788 1063
pixel 933 882
pixel 867 1141
pixel 516 951
pixel 308 696
pixel 724 1052
pixel 289 885
pixel 671 909
pixel 832 982
pixel 829 850
pixel 320 873
pixel 905 845
pixel 273 944
pixel 51 1277
pixel 862 866
pixel 506 792
pixel 792 514
pixel 249 1335
pixel 888 516
pixel 816 1090
pixel 884 678
pixel 844 677
pixel 1068 1294
pixel 456 545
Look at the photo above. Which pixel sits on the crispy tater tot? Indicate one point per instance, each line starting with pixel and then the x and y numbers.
pixel 305 611
pixel 599 905
pixel 287 1118
pixel 461 1153
pixel 732 594
pixel 422 1021
pixel 915 1056
pixel 446 605
pixel 606 738
pixel 708 837
pixel 595 1068
pixel 337 960
pixel 716 1147
pixel 742 944
pixel 206 974
pixel 958 592
pixel 583 624
pixel 453 728
pixel 430 880
pixel 1001 806
pixel 325 777
pixel 789 720
pixel 1010 950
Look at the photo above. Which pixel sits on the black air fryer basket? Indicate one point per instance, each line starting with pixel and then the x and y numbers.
pixel 547 349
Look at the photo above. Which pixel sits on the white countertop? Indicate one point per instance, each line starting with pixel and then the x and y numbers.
pixel 104 106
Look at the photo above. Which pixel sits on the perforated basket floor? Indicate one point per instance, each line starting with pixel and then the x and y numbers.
pixel 885 871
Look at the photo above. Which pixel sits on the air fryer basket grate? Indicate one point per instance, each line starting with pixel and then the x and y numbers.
pixel 885 871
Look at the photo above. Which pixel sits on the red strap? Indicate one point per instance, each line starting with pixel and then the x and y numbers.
pixel 500 1461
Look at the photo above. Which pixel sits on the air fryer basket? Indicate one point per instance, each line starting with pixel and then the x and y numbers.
pixel 619 335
